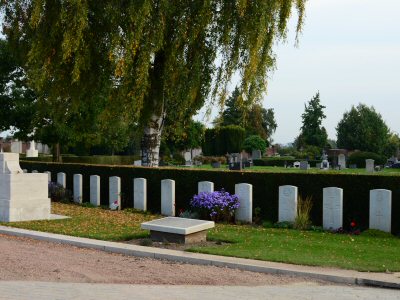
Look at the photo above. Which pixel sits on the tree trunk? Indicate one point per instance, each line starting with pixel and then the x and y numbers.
pixel 56 153
pixel 151 141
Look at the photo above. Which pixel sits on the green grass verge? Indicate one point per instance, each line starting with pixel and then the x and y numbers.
pixel 94 223
pixel 362 253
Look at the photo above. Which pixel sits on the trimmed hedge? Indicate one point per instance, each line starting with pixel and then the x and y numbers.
pixel 265 187
pixel 95 159
pixel 222 140
pixel 280 162
pixel 358 158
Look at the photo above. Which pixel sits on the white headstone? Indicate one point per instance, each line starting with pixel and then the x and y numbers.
pixel 369 165
pixel 78 188
pixel 32 152
pixel 23 196
pixel 296 164
pixel 287 210
pixel 62 179
pixel 95 190
pixel 16 147
pixel 304 165
pixel 380 209
pixel 342 161
pixel 205 186
pixel 137 163
pixel 244 213
pixel 48 174
pixel 114 192
pixel 332 211
pixel 140 193
pixel 168 197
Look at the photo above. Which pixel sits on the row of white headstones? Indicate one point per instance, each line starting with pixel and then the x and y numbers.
pixel 380 202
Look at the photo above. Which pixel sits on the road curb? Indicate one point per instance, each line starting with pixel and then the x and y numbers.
pixel 331 275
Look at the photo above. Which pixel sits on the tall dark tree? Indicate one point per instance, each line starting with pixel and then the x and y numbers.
pixel 151 59
pixel 312 132
pixel 363 128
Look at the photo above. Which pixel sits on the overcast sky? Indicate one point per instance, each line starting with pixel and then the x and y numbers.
pixel 350 52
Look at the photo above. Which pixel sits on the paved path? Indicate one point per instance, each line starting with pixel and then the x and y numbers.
pixel 46 290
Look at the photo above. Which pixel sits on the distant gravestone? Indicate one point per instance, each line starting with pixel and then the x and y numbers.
pixel 256 154
pixel 16 147
pixel 380 209
pixel 287 210
pixel 137 163
pixel 114 192
pixel 244 213
pixel 304 165
pixel 296 164
pixel 168 197
pixel 140 193
pixel 95 190
pixel 62 179
pixel 332 212
pixel 32 152
pixel 342 161
pixel 205 186
pixel 369 165
pixel 78 188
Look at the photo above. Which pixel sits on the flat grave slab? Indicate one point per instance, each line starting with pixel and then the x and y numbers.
pixel 178 230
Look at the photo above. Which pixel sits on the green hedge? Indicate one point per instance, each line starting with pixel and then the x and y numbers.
pixel 222 140
pixel 95 159
pixel 265 187
pixel 358 158
pixel 280 162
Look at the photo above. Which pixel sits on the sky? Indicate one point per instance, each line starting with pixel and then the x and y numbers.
pixel 349 51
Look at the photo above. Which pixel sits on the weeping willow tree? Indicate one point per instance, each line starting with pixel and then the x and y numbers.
pixel 147 61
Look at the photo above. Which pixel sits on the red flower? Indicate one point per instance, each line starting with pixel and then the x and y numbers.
pixel 353 224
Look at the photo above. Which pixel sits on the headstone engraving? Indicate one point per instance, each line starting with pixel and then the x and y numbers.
pixel 62 179
pixel 332 211
pixel 380 209
pixel 287 210
pixel 114 192
pixel 205 186
pixel 244 213
pixel 168 197
pixel 95 190
pixel 140 193
pixel 78 188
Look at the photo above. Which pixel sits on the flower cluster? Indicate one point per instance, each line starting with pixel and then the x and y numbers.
pixel 218 205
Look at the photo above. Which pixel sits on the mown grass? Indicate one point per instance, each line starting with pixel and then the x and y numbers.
pixel 95 223
pixel 362 253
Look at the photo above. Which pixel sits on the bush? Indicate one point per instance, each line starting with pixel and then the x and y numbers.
pixel 254 142
pixel 302 220
pixel 210 159
pixel 358 158
pixel 222 140
pixel 58 193
pixel 218 205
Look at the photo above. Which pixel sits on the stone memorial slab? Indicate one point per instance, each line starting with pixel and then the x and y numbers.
pixel 342 161
pixel 23 196
pixel 168 197
pixel 380 209
pixel 95 190
pixel 332 211
pixel 244 213
pixel 140 193
pixel 205 186
pixel 78 188
pixel 296 164
pixel 114 192
pixel 178 230
pixel 62 179
pixel 256 154
pixel 48 175
pixel 369 165
pixel 137 163
pixel 287 210
pixel 304 165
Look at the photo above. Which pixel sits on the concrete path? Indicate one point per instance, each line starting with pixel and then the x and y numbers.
pixel 50 290
pixel 391 280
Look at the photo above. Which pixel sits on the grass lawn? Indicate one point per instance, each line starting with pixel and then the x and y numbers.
pixel 95 223
pixel 363 253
